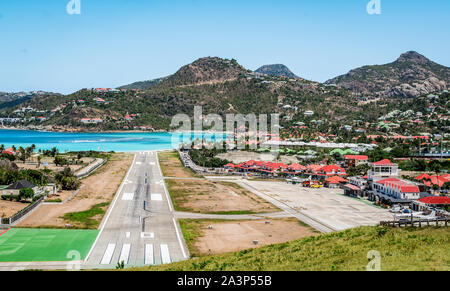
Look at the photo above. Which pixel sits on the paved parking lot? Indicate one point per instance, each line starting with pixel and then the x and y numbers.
pixel 327 206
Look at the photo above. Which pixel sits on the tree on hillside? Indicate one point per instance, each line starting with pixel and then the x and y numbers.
pixel 26 194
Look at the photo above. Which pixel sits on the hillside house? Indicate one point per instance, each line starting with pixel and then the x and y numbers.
pixel 15 188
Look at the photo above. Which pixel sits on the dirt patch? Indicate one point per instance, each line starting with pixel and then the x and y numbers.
pixel 60 196
pixel 9 208
pixel 171 166
pixel 235 236
pixel 210 197
pixel 99 188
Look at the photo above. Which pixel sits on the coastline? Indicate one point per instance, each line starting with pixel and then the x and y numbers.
pixel 114 131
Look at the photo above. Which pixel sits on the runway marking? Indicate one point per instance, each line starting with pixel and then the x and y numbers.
pixel 125 254
pixel 107 257
pixel 179 238
pixel 147 235
pixel 165 254
pixel 128 196
pixel 128 234
pixel 138 163
pixel 157 197
pixel 149 257
pixel 152 164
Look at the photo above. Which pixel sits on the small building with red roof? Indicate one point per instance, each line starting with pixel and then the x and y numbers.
pixel 431 202
pixel 355 160
pixel 9 151
pixel 331 170
pixel 334 181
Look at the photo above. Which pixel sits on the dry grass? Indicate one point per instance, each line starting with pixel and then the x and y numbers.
pixel 9 208
pixel 210 197
pixel 171 166
pixel 232 236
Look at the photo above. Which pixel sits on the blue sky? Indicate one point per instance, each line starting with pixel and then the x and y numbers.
pixel 116 42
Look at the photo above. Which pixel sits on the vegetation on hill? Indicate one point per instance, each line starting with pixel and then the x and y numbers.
pixel 412 249
pixel 411 75
pixel 143 85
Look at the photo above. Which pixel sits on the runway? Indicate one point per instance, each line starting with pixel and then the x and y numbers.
pixel 140 227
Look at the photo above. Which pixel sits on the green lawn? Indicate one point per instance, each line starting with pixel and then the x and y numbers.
pixel 44 245
pixel 412 249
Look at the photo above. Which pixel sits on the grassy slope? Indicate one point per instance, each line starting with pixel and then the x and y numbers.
pixel 401 249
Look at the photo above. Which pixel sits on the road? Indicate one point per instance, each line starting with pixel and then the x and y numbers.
pixel 135 235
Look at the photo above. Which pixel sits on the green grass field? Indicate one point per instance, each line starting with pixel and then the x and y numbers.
pixel 44 245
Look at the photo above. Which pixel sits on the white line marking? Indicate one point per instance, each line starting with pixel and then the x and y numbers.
pixel 147 235
pixel 149 257
pixel 138 163
pixel 125 254
pixel 179 238
pixel 152 164
pixel 106 218
pixel 157 197
pixel 165 254
pixel 107 257
pixel 128 234
pixel 128 196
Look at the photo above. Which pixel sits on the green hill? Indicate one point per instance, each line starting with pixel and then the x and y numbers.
pixel 413 249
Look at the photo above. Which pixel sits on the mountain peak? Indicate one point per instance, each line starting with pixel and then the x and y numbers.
pixel 203 70
pixel 411 75
pixel 278 70
pixel 414 57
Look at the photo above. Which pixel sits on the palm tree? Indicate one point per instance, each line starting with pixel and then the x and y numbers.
pixel 39 158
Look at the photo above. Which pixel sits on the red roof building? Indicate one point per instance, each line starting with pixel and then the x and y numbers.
pixel 435 200
pixel 335 180
pixel 332 170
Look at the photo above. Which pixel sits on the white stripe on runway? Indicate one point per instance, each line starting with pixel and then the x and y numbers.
pixel 165 255
pixel 128 234
pixel 128 196
pixel 125 254
pixel 157 197
pixel 149 258
pixel 147 235
pixel 107 257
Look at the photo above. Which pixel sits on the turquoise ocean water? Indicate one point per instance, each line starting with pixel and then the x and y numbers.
pixel 118 142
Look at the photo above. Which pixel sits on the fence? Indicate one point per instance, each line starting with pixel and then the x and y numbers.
pixel 19 215
pixel 90 169
pixel 419 222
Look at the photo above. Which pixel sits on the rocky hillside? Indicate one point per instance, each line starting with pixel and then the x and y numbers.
pixel 278 70
pixel 411 75
pixel 205 71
